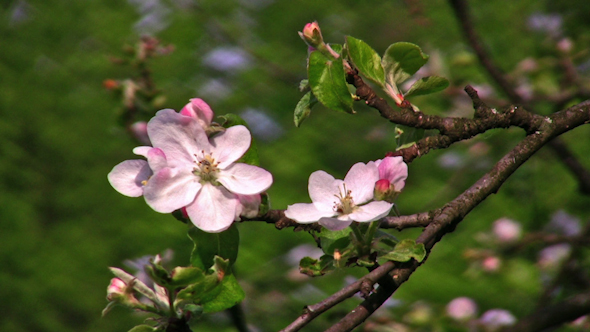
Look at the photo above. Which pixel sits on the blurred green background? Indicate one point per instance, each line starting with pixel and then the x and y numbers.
pixel 62 225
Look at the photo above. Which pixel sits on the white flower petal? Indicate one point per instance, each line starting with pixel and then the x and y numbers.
pixel 171 189
pixel 179 136
pixel 335 224
pixel 323 190
pixel 230 145
pixel 360 180
pixel 214 209
pixel 245 179
pixel 371 211
pixel 127 177
pixel 306 213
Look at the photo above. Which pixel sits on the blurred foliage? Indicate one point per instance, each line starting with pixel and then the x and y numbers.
pixel 62 224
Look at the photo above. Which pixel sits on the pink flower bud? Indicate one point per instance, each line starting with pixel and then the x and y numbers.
pixel 382 189
pixel 199 110
pixel 312 35
pixel 116 289
pixel 462 309
pixel 491 264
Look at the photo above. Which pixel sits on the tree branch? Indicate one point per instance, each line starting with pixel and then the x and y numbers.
pixel 561 150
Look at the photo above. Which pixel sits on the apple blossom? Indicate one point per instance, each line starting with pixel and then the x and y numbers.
pixel 461 309
pixel 392 178
pixel 200 173
pixel 200 110
pixel 336 203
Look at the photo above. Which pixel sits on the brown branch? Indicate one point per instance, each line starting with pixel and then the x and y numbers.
pixel 561 150
pixel 448 217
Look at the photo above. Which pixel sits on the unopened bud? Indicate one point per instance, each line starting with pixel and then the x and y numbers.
pixel 312 35
pixel 139 130
pixel 381 189
pixel 110 84
pixel 116 289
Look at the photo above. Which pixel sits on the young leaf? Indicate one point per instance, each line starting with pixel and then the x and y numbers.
pixel 332 240
pixel 314 268
pixel 328 83
pixel 406 250
pixel 427 85
pixel 303 108
pixel 366 60
pixel 402 60
pixel 209 245
pixel 231 293
pixel 183 276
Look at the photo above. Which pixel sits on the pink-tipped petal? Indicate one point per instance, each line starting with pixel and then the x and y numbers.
pixel 127 177
pixel 179 136
pixel 198 109
pixel 230 145
pixel 371 211
pixel 395 170
pixel 142 150
pixel 171 189
pixel 214 209
pixel 360 180
pixel 245 179
pixel 306 213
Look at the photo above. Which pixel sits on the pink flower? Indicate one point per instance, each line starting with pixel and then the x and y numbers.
pixel 462 308
pixel 200 173
pixel 392 178
pixel 199 110
pixel 139 130
pixel 336 203
pixel 507 230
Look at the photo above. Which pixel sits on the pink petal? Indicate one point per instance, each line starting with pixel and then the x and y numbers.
pixel 245 179
pixel 372 211
pixel 156 159
pixel 179 136
pixel 127 177
pixel 360 180
pixel 198 109
pixel 306 213
pixel 214 209
pixel 230 145
pixel 395 170
pixel 323 189
pixel 335 224
pixel 171 189
pixel 142 150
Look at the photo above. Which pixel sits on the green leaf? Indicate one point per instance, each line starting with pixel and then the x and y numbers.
pixel 303 108
pixel 143 328
pixel 314 268
pixel 230 294
pixel 209 245
pixel 328 83
pixel 366 60
pixel 402 60
pixel 332 240
pixel 427 85
pixel 406 250
pixel 251 156
pixel 184 276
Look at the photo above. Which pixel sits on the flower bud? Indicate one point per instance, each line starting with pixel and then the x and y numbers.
pixel 382 189
pixel 139 130
pixel 507 230
pixel 312 35
pixel 116 288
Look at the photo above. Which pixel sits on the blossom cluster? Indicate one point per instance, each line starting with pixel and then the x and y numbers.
pixel 366 194
pixel 192 167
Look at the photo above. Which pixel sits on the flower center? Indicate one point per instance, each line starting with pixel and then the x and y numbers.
pixel 346 204
pixel 206 168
